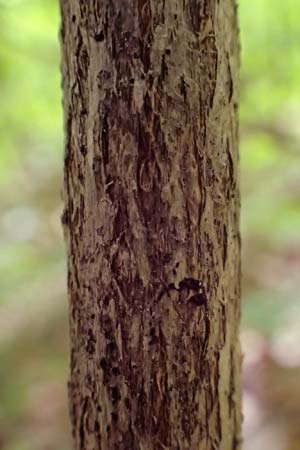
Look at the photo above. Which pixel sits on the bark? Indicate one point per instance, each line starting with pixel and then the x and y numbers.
pixel 152 223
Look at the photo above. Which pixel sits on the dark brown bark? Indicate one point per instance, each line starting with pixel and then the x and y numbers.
pixel 152 223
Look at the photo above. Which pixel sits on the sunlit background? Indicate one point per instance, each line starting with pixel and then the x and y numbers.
pixel 33 307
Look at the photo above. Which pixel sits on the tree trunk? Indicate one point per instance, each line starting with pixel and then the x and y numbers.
pixel 152 223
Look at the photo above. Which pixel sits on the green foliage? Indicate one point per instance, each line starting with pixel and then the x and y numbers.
pixel 270 58
pixel 270 172
pixel 30 113
pixel 31 259
pixel 31 140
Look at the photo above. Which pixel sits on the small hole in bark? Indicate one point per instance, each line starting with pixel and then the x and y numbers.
pixel 147 105
pixel 132 80
pixel 114 417
pixel 97 426
pixel 90 347
pixel 103 363
pixel 111 347
pixel 65 217
pixel 152 332
pixel 198 299
pixel 73 18
pixel 99 37
pixel 108 335
pixel 83 150
pixel 108 428
pixel 88 379
pixel 168 51
pixel 115 395
pixel 93 316
pixel 153 337
pixel 116 371
pixel 190 283
pixel 127 403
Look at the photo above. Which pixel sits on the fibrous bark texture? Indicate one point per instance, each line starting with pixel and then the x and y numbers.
pixel 152 223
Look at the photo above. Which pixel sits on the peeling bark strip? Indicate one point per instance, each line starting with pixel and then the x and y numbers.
pixel 152 223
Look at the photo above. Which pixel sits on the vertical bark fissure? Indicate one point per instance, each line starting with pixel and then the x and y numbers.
pixel 152 223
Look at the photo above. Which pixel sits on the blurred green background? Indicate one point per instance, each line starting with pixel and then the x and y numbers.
pixel 33 309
